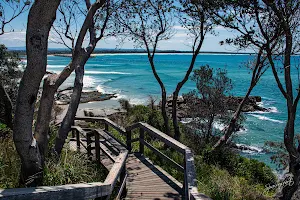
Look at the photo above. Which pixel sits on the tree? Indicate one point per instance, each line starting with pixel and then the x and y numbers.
pixel 194 16
pixel 207 103
pixel 98 22
pixel 146 23
pixel 274 27
pixel 241 17
pixel 10 73
pixel 37 33
pixel 10 10
pixel 258 68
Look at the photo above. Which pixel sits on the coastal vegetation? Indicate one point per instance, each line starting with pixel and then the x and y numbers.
pixel 222 174
pixel 30 156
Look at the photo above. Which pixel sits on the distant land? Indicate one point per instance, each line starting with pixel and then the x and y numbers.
pixel 65 52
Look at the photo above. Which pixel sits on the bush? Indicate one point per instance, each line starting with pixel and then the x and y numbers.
pixel 222 174
pixel 4 131
pixel 73 167
pixel 219 184
pixel 10 164
pixel 252 170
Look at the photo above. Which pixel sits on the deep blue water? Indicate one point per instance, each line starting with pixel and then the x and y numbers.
pixel 131 77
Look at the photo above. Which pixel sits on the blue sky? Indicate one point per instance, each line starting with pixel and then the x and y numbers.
pixel 179 41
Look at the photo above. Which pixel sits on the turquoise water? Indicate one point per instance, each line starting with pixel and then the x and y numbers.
pixel 130 76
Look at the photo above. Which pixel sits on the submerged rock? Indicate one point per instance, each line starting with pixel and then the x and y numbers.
pixel 105 112
pixel 63 97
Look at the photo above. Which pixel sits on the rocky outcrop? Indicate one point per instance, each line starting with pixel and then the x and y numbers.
pixel 232 102
pixel 63 97
pixel 251 104
pixel 105 112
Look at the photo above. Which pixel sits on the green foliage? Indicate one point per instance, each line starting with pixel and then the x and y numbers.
pixel 10 73
pixel 280 155
pixel 125 104
pixel 4 131
pixel 73 167
pixel 221 175
pixel 10 164
pixel 207 104
pixel 219 184
pixel 252 170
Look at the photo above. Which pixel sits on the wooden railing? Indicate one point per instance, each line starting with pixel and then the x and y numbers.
pixel 118 170
pixel 84 139
pixel 189 190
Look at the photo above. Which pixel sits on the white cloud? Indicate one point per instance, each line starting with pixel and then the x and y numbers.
pixel 13 39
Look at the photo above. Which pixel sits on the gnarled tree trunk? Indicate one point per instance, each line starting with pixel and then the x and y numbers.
pixel 233 120
pixel 72 109
pixel 177 90
pixel 41 17
pixel 79 57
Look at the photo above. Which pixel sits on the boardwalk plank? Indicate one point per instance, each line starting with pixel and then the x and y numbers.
pixel 146 181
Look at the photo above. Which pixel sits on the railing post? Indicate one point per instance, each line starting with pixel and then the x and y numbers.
pixel 142 138
pixel 122 178
pixel 105 126
pixel 97 147
pixel 89 143
pixel 78 140
pixel 73 130
pixel 185 182
pixel 128 140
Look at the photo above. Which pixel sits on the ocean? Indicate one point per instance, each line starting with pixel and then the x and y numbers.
pixel 130 77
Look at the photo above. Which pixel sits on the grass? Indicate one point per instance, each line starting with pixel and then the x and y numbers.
pixel 72 167
pixel 10 163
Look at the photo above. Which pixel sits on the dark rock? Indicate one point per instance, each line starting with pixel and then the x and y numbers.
pixel 232 102
pixel 64 96
pixel 250 105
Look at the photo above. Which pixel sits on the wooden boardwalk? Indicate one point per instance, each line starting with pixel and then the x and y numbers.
pixel 141 178
pixel 146 181
pixel 131 176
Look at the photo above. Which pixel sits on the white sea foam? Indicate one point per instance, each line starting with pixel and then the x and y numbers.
pixel 250 149
pixel 219 126
pixel 261 117
pixel 56 66
pixel 134 100
pixel 186 120
pixel 100 88
pixel 242 131
pixel 273 109
pixel 101 72
pixel 88 82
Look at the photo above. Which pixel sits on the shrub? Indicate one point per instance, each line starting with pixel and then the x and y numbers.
pixel 4 131
pixel 219 184
pixel 10 163
pixel 73 167
pixel 252 170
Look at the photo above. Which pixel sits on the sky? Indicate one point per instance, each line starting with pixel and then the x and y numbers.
pixel 179 41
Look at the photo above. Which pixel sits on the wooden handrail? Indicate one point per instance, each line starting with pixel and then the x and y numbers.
pixel 190 191
pixel 190 182
pixel 69 192
pixel 107 121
